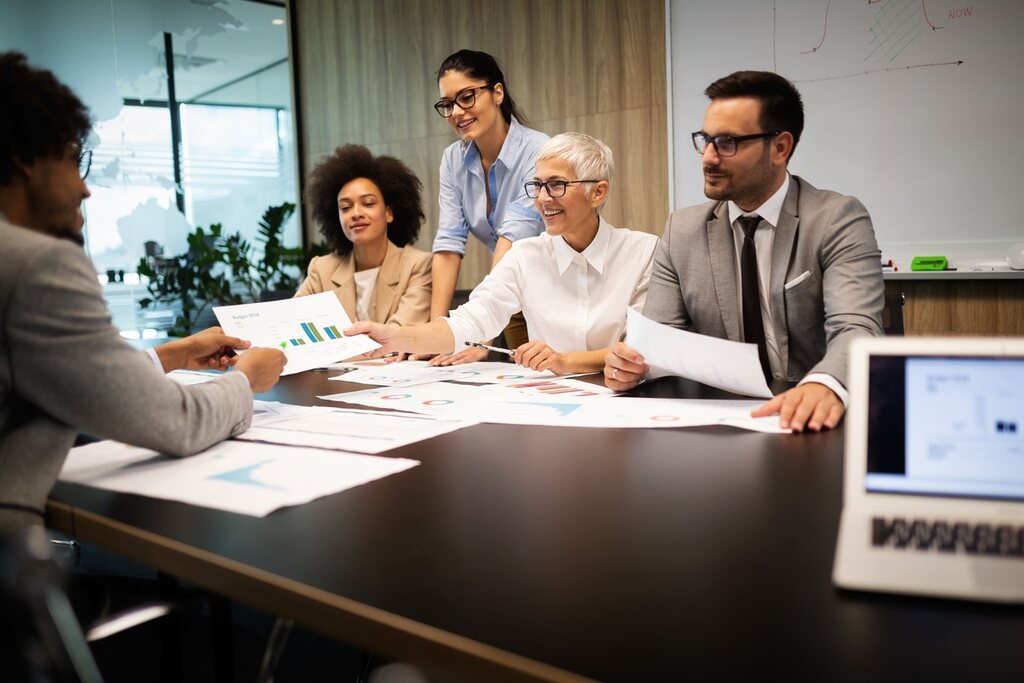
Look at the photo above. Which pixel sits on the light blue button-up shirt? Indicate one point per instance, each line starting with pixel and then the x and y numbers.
pixel 464 190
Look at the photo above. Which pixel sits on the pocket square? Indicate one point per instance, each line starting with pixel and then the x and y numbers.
pixel 797 280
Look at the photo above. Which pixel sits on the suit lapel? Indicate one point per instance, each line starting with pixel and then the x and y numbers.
pixel 782 254
pixel 723 269
pixel 387 283
pixel 343 279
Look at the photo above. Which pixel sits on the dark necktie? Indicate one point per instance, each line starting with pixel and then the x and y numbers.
pixel 753 324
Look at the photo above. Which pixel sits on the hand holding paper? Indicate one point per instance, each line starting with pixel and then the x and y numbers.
pixel 307 329
pixel 728 365
pixel 624 368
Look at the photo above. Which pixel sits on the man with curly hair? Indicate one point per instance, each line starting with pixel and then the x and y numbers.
pixel 63 366
pixel 369 211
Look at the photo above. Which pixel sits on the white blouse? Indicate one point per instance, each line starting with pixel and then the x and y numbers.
pixel 366 283
pixel 572 301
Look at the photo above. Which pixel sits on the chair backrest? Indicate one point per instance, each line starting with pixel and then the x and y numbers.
pixel 892 314
pixel 40 638
pixel 460 297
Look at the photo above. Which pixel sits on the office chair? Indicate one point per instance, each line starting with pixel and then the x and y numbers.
pixel 460 297
pixel 40 637
pixel 892 314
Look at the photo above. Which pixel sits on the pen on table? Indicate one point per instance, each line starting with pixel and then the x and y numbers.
pixel 507 352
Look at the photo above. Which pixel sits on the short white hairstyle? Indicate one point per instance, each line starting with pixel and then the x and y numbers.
pixel 588 157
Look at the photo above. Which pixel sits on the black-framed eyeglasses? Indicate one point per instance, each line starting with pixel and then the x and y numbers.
pixel 725 145
pixel 465 98
pixel 83 156
pixel 555 188
pixel 84 162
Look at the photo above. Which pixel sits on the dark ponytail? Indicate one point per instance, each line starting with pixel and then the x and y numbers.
pixel 484 67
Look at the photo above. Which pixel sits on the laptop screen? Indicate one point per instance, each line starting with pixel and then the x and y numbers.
pixel 946 426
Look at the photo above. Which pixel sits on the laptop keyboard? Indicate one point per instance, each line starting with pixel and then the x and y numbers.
pixel 950 537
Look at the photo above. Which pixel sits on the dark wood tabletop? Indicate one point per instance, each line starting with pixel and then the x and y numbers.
pixel 518 552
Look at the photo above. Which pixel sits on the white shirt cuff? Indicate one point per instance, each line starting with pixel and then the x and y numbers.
pixel 243 375
pixel 156 360
pixel 459 332
pixel 830 382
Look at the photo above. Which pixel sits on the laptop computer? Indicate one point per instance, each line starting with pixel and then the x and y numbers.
pixel 933 487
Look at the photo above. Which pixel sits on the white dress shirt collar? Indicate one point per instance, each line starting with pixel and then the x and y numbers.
pixel 769 211
pixel 568 303
pixel 594 254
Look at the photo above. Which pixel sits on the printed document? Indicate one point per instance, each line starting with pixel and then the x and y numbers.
pixel 187 377
pixel 362 431
pixel 732 366
pixel 307 328
pixel 503 405
pixel 247 478
pixel 414 372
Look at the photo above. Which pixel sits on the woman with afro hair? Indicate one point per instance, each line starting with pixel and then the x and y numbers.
pixel 369 211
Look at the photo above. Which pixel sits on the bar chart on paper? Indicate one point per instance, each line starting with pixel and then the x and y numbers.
pixel 313 334
pixel 307 329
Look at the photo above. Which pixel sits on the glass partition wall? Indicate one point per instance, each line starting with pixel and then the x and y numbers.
pixel 193 123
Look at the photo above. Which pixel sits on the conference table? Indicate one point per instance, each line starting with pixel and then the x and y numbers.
pixel 550 553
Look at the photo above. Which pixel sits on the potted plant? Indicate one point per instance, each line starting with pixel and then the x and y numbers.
pixel 222 269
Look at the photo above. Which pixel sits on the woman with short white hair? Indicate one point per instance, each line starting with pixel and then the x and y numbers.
pixel 573 283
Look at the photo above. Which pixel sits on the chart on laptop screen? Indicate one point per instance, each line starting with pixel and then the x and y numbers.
pixel 965 426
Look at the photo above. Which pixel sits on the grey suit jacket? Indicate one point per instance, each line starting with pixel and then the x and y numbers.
pixel 401 295
pixel 64 368
pixel 828 235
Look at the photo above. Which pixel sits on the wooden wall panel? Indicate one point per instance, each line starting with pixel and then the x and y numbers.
pixel 962 307
pixel 368 70
pixel 638 189
pixel 1009 308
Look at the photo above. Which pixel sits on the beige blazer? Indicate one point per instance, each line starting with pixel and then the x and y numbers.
pixel 401 295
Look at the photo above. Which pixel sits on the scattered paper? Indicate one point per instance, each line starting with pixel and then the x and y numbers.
pixel 307 328
pixel 457 401
pixel 362 431
pixel 416 372
pixel 632 413
pixel 560 387
pixel 383 374
pixel 502 405
pixel 732 366
pixel 247 478
pixel 187 377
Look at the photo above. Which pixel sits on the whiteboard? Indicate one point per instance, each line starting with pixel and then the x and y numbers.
pixel 915 107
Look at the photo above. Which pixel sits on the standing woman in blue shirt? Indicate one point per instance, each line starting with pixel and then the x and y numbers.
pixel 482 178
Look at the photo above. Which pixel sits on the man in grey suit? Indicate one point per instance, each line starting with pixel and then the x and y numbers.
pixel 808 257
pixel 63 365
